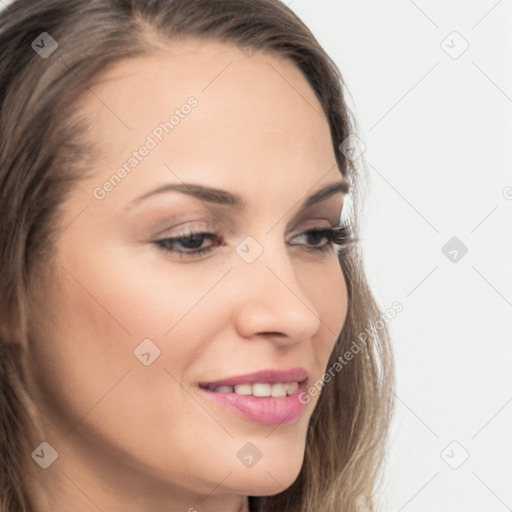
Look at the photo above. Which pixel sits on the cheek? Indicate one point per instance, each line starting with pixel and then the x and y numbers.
pixel 328 293
pixel 137 294
pixel 87 377
pixel 102 315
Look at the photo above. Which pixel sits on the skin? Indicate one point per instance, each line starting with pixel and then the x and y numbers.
pixel 132 437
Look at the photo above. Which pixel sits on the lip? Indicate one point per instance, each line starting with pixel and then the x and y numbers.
pixel 268 376
pixel 262 410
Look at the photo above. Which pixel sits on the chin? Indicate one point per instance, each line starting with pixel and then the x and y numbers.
pixel 265 484
pixel 269 477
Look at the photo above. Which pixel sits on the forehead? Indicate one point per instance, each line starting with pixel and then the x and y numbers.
pixel 252 117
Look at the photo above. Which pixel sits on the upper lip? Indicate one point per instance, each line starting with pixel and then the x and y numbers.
pixel 269 376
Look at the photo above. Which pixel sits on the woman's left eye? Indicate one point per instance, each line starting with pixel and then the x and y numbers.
pixel 192 244
pixel 315 236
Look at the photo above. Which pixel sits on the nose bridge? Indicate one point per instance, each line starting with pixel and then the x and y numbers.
pixel 266 262
pixel 272 299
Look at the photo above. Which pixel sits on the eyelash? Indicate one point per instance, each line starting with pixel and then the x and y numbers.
pixel 337 237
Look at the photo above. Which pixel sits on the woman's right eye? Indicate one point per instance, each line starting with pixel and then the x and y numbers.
pixel 189 244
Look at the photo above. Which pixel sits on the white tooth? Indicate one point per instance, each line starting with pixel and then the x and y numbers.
pixel 261 389
pixel 278 390
pixel 224 389
pixel 243 389
pixel 292 387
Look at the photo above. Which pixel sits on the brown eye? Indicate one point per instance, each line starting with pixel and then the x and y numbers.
pixel 332 236
pixel 189 243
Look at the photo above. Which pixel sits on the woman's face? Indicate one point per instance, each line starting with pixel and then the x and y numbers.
pixel 132 328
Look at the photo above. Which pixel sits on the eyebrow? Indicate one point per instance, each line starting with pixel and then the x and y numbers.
pixel 235 201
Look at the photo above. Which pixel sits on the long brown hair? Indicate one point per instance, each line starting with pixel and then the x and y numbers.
pixel 43 153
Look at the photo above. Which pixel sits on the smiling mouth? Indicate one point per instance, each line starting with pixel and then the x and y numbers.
pixel 269 397
pixel 260 389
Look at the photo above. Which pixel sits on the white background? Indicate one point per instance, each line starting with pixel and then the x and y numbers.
pixel 438 135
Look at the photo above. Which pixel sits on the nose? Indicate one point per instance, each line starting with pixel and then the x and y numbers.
pixel 271 301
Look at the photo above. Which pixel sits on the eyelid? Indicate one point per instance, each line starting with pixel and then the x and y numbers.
pixel 200 226
pixel 188 225
pixel 211 219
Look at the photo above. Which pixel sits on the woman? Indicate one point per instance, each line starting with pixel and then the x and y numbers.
pixel 175 281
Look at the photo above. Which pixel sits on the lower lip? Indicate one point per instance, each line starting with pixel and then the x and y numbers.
pixel 263 410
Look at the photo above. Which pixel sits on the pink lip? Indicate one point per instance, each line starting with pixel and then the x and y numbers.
pixel 265 376
pixel 263 410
